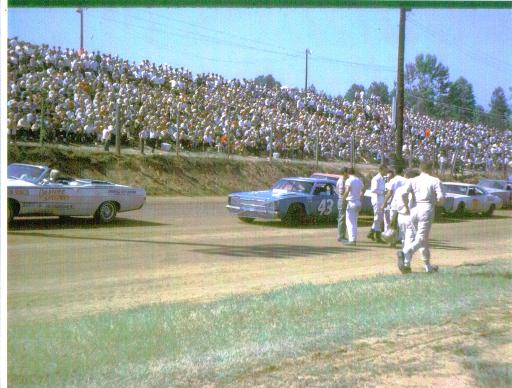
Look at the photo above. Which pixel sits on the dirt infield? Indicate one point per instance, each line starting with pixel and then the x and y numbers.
pixel 191 249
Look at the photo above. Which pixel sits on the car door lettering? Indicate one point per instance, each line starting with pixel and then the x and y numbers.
pixel 325 207
pixel 53 195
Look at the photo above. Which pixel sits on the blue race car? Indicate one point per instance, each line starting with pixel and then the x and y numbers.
pixel 292 200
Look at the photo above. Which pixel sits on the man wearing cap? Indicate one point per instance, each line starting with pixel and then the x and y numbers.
pixel 426 192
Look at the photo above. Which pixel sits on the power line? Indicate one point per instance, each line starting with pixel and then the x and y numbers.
pixel 160 44
pixel 469 54
pixel 192 35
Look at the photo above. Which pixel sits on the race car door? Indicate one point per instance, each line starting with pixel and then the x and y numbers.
pixel 478 200
pixel 325 200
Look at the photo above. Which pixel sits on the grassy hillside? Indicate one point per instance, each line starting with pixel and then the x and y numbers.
pixel 166 174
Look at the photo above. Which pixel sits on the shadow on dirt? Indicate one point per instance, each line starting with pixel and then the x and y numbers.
pixel 50 223
pixel 311 224
pixel 277 251
pixel 270 251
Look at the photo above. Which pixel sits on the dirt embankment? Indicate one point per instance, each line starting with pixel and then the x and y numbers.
pixel 190 174
pixel 166 174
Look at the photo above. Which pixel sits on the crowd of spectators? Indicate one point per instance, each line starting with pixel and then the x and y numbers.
pixel 80 97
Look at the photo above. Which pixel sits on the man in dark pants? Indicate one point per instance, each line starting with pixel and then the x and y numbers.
pixel 342 206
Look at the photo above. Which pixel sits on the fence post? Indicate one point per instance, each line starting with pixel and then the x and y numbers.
pixel 352 150
pixel 118 131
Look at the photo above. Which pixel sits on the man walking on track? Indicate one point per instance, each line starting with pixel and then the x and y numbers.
pixel 426 192
pixel 377 188
pixel 352 196
pixel 340 190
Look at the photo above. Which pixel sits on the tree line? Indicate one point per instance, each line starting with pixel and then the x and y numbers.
pixel 429 91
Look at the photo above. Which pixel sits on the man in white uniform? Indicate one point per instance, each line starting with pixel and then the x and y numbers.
pixel 340 190
pixel 426 191
pixel 392 187
pixel 352 196
pixel 405 231
pixel 377 188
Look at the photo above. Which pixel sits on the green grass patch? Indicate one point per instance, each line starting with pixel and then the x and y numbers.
pixel 188 343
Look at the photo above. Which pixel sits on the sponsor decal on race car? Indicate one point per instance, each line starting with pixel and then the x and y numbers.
pixel 53 195
pixel 18 192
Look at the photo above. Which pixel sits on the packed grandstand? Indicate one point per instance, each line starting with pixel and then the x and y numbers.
pixel 79 96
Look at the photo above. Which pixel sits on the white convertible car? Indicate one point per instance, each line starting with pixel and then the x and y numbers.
pixel 463 198
pixel 31 192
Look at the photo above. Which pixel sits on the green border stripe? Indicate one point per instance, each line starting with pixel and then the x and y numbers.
pixel 263 3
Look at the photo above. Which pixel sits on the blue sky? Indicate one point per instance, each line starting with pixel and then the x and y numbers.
pixel 348 45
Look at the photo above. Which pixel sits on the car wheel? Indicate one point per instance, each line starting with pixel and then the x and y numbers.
pixel 489 212
pixel 246 219
pixel 295 214
pixel 460 210
pixel 10 212
pixel 106 212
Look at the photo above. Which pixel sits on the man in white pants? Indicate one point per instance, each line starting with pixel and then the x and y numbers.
pixel 353 192
pixel 405 230
pixel 391 196
pixel 377 188
pixel 426 191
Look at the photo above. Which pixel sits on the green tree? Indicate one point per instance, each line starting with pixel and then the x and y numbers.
pixel 267 80
pixel 460 102
pixel 480 116
pixel 426 84
pixel 379 89
pixel 351 92
pixel 500 112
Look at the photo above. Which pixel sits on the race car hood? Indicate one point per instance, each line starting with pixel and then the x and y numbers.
pixel 19 182
pixel 267 195
pixel 490 190
pixel 453 195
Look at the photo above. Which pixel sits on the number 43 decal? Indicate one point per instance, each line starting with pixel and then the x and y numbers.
pixel 325 207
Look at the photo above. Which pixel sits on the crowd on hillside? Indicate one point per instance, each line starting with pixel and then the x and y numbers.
pixel 81 97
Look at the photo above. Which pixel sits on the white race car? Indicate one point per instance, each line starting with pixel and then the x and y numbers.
pixel 464 198
pixel 499 188
pixel 31 192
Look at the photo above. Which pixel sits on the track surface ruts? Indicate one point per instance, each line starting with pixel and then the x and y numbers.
pixel 191 249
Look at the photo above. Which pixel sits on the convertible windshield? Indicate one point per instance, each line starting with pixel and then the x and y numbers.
pixel 455 189
pixel 286 185
pixel 25 172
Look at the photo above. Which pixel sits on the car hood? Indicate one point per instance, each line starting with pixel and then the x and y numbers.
pixel 267 195
pixel 492 191
pixel 19 182
pixel 453 195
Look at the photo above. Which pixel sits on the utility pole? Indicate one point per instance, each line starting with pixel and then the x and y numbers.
pixel 81 12
pixel 306 82
pixel 399 135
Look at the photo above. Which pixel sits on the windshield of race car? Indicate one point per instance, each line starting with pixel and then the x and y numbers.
pixel 25 172
pixel 292 186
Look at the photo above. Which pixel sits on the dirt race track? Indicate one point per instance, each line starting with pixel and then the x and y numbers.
pixel 191 249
